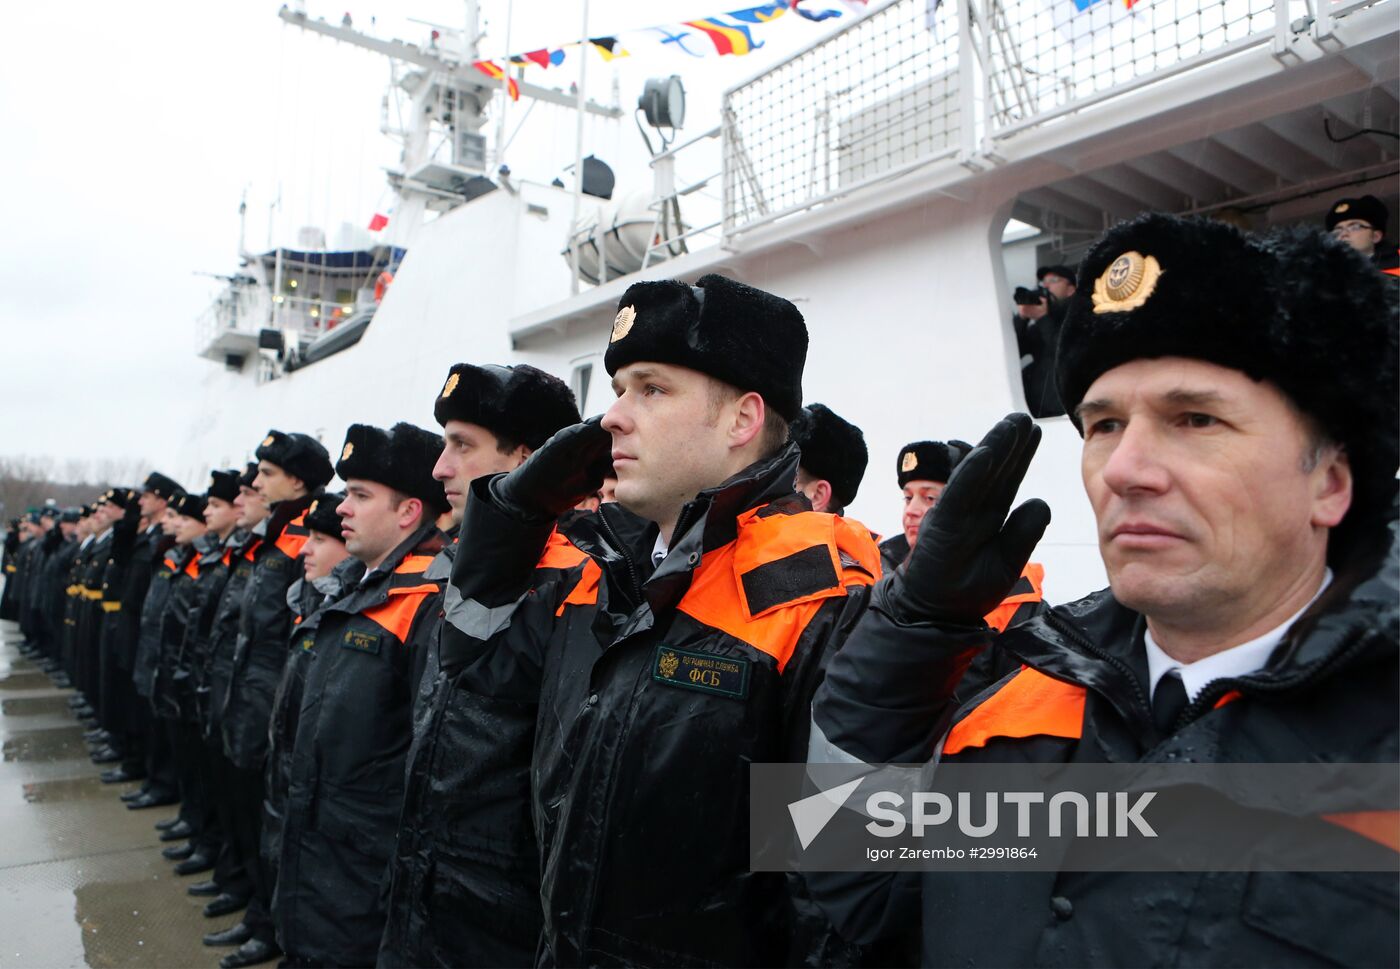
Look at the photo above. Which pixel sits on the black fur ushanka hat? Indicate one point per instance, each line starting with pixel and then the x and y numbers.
pixel 833 449
pixel 520 404
pixel 162 486
pixel 300 455
pixel 401 457
pixel 743 336
pixel 321 514
pixel 929 460
pixel 121 497
pixel 1367 208
pixel 191 506
pixel 1297 308
pixel 223 484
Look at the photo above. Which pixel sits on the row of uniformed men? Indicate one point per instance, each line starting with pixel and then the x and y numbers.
pixel 180 607
pixel 537 737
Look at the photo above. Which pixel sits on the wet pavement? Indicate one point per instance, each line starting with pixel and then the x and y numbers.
pixel 82 882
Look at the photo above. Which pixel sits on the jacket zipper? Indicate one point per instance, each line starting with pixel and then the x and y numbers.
pixel 1083 642
pixel 626 559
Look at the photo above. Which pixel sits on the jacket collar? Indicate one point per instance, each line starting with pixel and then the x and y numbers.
pixel 372 588
pixel 621 541
pixel 1096 642
pixel 283 513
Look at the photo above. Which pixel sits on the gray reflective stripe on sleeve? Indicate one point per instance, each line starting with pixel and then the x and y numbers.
pixel 823 751
pixel 439 568
pixel 472 618
pixel 828 766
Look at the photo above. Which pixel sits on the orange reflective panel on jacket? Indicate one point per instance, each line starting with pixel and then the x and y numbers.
pixel 397 612
pixel 585 591
pixel 1382 827
pixel 1029 588
pixel 1030 704
pixel 414 565
pixel 396 615
pixel 192 569
pixel 289 543
pixel 559 553
pixel 764 587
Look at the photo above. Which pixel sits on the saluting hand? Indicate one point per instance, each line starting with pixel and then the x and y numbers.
pixel 969 552
pixel 567 468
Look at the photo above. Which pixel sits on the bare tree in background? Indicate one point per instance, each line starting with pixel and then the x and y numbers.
pixel 27 481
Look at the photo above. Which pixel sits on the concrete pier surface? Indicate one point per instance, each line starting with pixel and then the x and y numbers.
pixel 82 880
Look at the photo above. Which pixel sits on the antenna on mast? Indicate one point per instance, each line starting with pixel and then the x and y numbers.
pixel 448 92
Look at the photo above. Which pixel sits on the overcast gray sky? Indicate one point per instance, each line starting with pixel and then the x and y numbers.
pixel 131 131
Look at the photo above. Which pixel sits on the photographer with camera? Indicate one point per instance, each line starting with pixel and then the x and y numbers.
pixel 1037 325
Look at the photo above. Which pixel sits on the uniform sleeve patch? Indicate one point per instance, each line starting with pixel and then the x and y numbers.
pixel 789 578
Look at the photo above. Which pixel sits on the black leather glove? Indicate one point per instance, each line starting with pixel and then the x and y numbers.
pixel 969 552
pixel 567 468
pixel 124 529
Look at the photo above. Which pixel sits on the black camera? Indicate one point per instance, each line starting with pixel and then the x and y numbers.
pixel 1028 297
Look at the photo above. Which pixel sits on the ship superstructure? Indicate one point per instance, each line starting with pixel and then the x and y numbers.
pixel 896 179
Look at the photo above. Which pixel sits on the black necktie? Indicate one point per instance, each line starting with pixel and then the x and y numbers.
pixel 1168 700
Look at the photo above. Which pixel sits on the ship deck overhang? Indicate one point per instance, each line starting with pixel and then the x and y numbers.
pixel 1242 131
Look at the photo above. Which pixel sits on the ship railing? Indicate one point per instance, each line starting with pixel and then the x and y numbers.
pixel 917 82
pixel 308 316
pixel 239 309
pixel 687 207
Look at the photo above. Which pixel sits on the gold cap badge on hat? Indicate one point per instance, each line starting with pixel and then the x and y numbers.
pixel 451 385
pixel 1127 283
pixel 622 325
pixel 312 509
pixel 909 462
pixel 1342 207
pixel 269 441
pixel 347 451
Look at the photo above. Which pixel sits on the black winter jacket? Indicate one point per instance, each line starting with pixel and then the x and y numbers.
pixel 221 634
pixel 306 602
pixel 264 630
pixel 347 770
pixel 1329 693
pixel 152 619
pixel 56 581
pixel 9 601
pixel 172 694
pixel 32 607
pixel 209 583
pixel 75 604
pixel 659 688
pixel 143 655
pixel 893 551
pixel 465 876
pixel 89 624
pixel 128 586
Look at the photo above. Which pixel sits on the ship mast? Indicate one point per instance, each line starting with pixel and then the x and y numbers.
pixel 448 91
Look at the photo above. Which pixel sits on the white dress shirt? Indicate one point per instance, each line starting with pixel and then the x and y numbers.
pixel 1238 660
